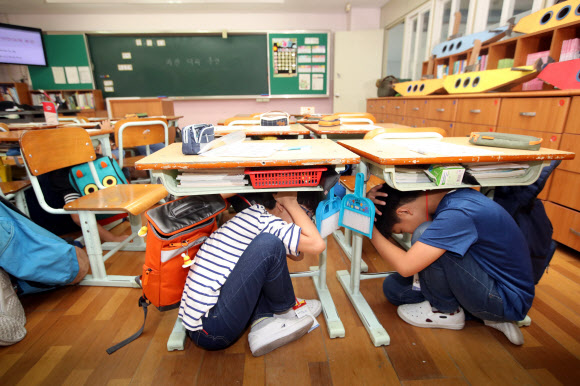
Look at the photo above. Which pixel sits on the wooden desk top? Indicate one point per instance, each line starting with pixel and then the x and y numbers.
pixel 14 136
pixel 350 129
pixel 253 130
pixel 321 152
pixel 388 153
pixel 30 126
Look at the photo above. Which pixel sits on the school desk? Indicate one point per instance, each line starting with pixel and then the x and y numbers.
pixel 30 126
pixel 351 130
pixel 379 158
pixel 294 129
pixel 321 152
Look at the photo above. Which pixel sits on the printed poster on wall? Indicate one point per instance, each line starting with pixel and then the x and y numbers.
pixel 284 53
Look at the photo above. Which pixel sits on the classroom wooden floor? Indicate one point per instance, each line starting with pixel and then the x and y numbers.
pixel 69 330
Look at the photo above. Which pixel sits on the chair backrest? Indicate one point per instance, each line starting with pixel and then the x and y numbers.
pixel 354 118
pixel 250 119
pixel 140 131
pixel 4 127
pixel 46 150
pixel 405 132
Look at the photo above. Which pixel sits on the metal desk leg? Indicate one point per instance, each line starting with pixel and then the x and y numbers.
pixel 177 338
pixel 333 322
pixel 351 284
pixel 344 240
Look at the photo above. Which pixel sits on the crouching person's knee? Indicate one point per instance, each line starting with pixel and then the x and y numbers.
pixel 83 261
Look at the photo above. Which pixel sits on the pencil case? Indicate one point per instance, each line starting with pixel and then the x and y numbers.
pixel 511 141
pixel 193 136
pixel 275 118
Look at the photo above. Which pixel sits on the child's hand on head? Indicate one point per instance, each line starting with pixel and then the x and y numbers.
pixel 373 194
pixel 285 197
pixel 106 125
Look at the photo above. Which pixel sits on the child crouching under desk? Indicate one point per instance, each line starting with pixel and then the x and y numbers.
pixel 240 276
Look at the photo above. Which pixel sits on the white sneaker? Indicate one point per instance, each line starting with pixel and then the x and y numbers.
pixel 423 315
pixel 271 333
pixel 12 317
pixel 313 305
pixel 509 329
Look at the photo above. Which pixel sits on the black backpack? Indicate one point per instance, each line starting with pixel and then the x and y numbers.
pixel 385 86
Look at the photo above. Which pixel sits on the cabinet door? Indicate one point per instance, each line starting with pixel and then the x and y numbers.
pixel 565 188
pixel 417 108
pixel 442 109
pixel 573 121
pixel 479 111
pixel 372 106
pixel 571 142
pixel 465 129
pixel 566 223
pixel 540 114
pixel 396 106
pixel 449 127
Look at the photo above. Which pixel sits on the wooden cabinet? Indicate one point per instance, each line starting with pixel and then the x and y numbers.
pixel 15 92
pixel 550 115
pixel 118 108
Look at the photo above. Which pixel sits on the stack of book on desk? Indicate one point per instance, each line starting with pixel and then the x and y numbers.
pixel 410 174
pixel 205 178
pixel 482 171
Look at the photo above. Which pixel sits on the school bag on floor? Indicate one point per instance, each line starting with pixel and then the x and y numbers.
pixel 173 229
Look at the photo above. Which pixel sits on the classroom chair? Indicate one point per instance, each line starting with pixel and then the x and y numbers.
pixel 48 150
pixel 381 134
pixel 133 132
pixel 14 190
pixel 241 119
pixel 3 127
pixel 69 119
pixel 337 119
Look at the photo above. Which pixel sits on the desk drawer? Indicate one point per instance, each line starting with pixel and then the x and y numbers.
pixel 565 188
pixel 573 121
pixel 480 111
pixel 465 129
pixel 571 142
pixel 417 108
pixel 375 106
pixel 442 109
pixel 396 106
pixel 566 223
pixel 549 140
pixel 540 114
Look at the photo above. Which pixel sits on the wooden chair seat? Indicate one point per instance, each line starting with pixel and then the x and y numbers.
pixel 132 198
pixel 130 161
pixel 349 182
pixel 10 160
pixel 12 187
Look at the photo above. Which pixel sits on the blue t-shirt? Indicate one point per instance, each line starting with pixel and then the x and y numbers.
pixel 467 221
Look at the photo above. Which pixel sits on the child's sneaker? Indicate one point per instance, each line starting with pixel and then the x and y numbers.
pixel 271 333
pixel 509 329
pixel 12 317
pixel 423 315
pixel 314 306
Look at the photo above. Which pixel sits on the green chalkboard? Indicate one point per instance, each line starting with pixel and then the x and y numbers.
pixel 184 65
pixel 298 63
pixel 61 51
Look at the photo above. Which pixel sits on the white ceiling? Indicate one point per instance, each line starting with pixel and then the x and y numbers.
pixel 180 6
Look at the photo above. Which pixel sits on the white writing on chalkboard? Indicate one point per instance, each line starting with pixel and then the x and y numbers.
pixel 193 62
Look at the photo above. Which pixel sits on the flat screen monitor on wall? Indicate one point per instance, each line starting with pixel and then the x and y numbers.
pixel 21 45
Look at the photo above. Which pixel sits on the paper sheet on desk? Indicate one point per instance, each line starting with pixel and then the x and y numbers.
pixel 246 149
pixel 251 128
pixel 442 148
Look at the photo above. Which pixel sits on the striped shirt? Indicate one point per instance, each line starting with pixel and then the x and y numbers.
pixel 219 254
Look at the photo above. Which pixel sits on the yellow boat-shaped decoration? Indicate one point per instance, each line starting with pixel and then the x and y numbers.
pixel 490 80
pixel 419 87
pixel 556 15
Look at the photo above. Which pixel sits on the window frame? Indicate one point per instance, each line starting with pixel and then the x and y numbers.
pixel 409 60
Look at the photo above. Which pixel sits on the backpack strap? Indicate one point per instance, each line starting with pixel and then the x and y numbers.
pixel 142 303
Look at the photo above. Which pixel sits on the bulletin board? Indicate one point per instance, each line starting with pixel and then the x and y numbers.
pixel 68 65
pixel 298 64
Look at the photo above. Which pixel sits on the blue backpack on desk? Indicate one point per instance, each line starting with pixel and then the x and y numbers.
pixel 108 171
pixel 193 136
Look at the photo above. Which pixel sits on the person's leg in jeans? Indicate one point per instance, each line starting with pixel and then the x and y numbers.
pixel 258 286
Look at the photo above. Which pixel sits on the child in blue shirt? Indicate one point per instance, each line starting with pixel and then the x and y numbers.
pixel 471 255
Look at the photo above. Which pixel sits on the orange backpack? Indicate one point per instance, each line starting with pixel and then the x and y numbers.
pixel 175 232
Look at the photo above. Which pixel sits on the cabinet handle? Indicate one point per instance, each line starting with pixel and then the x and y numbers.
pixel 415 109
pixel 574 232
pixel 530 114
pixel 397 107
pixel 440 110
pixel 382 107
pixel 475 111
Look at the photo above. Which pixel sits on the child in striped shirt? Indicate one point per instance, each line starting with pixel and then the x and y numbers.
pixel 240 276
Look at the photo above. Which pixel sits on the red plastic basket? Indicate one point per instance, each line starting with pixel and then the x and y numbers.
pixel 284 178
